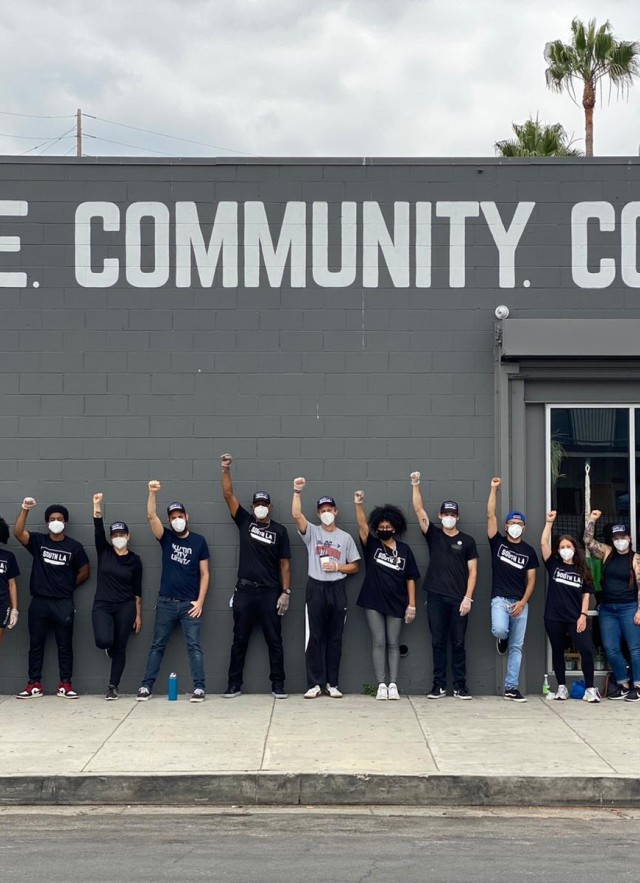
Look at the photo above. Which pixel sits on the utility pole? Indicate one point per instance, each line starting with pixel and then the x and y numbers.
pixel 78 132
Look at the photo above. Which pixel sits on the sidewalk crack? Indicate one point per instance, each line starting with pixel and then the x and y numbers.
pixel 556 711
pixel 109 736
pixel 424 735
pixel 264 750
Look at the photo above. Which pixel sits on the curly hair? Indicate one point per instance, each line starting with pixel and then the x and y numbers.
pixel 578 557
pixel 4 531
pixel 391 514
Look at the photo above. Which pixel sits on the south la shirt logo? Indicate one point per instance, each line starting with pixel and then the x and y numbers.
pixel 567 578
pixel 393 562
pixel 513 559
pixel 3 567
pixel 59 557
pixel 262 535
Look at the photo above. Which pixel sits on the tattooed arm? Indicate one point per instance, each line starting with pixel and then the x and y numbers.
pixel 418 505
pixel 598 550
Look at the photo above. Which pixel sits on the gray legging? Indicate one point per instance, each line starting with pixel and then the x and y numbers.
pixel 385 633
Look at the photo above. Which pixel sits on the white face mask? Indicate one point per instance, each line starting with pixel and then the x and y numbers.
pixel 515 531
pixel 448 521
pixel 119 542
pixel 261 512
pixel 621 545
pixel 566 554
pixel 327 518
pixel 179 524
pixel 56 526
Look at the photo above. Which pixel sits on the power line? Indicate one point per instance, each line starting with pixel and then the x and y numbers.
pixel 35 116
pixel 122 144
pixel 22 137
pixel 50 142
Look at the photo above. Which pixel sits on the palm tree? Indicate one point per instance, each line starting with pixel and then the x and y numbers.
pixel 534 138
pixel 592 55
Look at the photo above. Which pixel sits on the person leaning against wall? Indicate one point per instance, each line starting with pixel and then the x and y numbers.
pixel 450 582
pixel 117 605
pixel 9 570
pixel 513 563
pixel 60 565
pixel 333 556
pixel 262 590
pixel 619 609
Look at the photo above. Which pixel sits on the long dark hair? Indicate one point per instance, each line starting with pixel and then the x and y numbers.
pixel 578 557
pixel 4 531
pixel 391 514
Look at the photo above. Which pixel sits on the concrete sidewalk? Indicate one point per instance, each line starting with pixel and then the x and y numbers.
pixel 258 750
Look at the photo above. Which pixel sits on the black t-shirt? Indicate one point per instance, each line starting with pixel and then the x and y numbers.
pixel 564 591
pixel 181 557
pixel 119 576
pixel 8 570
pixel 55 565
pixel 448 569
pixel 262 546
pixel 385 581
pixel 510 563
pixel 615 580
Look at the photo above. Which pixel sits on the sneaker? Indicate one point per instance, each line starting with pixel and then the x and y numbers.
pixel 633 695
pixel 437 692
pixel 313 692
pixel 618 692
pixel 392 692
pixel 144 693
pixel 592 694
pixel 515 695
pixel 502 645
pixel 33 690
pixel 198 695
pixel 66 691
pixel 333 692
pixel 462 693
pixel 561 692
pixel 232 692
pixel 382 693
pixel 279 692
pixel 112 693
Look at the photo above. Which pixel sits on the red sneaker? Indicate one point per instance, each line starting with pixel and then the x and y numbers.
pixel 66 691
pixel 31 691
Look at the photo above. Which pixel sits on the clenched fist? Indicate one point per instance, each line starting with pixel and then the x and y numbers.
pixel 496 482
pixel 595 514
pixel 98 498
pixel 415 478
pixel 551 516
pixel 299 483
pixel 226 460
pixel 28 503
pixel 154 486
pixel 358 497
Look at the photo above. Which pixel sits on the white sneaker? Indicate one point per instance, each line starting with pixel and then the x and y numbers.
pixel 393 692
pixel 313 692
pixel 591 694
pixel 333 692
pixel 562 692
pixel 382 692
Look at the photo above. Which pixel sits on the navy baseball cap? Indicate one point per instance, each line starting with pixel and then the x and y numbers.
pixel 619 529
pixel 450 506
pixel 326 501
pixel 516 514
pixel 176 507
pixel 262 497
pixel 118 525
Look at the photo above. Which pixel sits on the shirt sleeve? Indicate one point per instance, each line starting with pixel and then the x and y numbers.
pixel 34 543
pixel 284 549
pixel 534 562
pixel 411 571
pixel 472 550
pixel 307 538
pixel 80 557
pixel 351 553
pixel 241 516
pixel 137 578
pixel 204 551
pixel 12 567
pixel 99 535
pixel 164 539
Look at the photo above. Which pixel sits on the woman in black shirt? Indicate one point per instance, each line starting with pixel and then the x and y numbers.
pixel 568 591
pixel 117 607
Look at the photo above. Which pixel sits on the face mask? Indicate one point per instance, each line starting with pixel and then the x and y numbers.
pixel 56 526
pixel 119 543
pixel 261 512
pixel 621 545
pixel 515 531
pixel 566 554
pixel 178 524
pixel 327 518
pixel 448 521
pixel 385 533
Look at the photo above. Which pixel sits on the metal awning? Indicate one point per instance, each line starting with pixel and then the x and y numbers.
pixel 569 338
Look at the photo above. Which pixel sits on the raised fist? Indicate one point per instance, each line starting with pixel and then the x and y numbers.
pixel 28 503
pixel 154 486
pixel 415 478
pixel 496 482
pixel 226 460
pixel 98 498
pixel 358 497
pixel 299 484
pixel 595 514
pixel 551 516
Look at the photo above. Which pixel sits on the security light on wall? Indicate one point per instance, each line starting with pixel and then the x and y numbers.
pixel 502 312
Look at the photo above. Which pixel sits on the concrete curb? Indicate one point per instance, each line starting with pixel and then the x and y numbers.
pixel 295 789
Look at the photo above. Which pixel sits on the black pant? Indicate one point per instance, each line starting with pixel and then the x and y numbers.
pixel 446 625
pixel 46 615
pixel 326 616
pixel 253 605
pixel 557 632
pixel 112 627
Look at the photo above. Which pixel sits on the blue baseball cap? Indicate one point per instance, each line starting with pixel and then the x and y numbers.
pixel 516 514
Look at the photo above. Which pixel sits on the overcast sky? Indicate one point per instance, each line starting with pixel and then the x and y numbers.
pixel 295 77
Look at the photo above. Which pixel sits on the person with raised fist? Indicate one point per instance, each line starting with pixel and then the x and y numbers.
pixel 263 587
pixel 60 565
pixel 183 588
pixel 333 557
pixel 9 570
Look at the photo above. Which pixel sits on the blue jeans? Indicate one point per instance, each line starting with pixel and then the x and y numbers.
pixel 168 614
pixel 616 623
pixel 505 625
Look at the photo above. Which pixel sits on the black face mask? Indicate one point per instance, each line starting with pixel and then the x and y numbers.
pixel 385 534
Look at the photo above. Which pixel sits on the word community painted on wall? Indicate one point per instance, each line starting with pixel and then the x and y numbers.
pixel 338 245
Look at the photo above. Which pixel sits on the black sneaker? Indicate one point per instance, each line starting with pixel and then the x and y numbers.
pixel 198 695
pixel 232 692
pixel 112 693
pixel 462 693
pixel 618 692
pixel 279 692
pixel 502 645
pixel 436 692
pixel 633 695
pixel 515 695
pixel 144 694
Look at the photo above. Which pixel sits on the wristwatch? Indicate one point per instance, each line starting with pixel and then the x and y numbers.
pixel 287 591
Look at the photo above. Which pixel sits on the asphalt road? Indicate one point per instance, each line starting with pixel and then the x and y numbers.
pixel 374 846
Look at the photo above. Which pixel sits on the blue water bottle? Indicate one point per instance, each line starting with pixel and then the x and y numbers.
pixel 173 687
